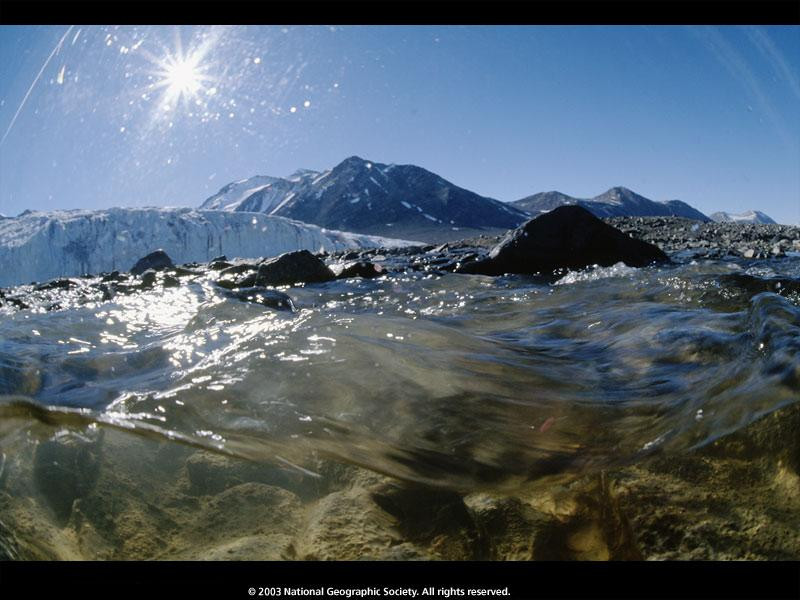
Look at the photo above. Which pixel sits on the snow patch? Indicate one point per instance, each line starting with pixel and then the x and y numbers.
pixel 282 204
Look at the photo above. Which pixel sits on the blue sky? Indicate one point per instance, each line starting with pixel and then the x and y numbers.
pixel 708 115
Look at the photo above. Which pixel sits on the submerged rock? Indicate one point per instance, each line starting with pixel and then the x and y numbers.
pixel 158 261
pixel 270 298
pixel 66 468
pixel 567 237
pixel 292 268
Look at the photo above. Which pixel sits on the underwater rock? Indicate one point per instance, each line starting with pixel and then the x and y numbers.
pixel 434 519
pixel 276 546
pixel 249 509
pixel 210 473
pixel 514 529
pixel 735 499
pixel 568 237
pixel 292 268
pixel 158 261
pixel 270 298
pixel 66 468
pixel 19 376
pixel 347 525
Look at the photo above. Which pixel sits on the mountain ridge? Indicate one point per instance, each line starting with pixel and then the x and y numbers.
pixel 749 216
pixel 373 198
pixel 617 201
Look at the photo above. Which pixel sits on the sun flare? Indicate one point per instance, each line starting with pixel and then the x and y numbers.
pixel 182 77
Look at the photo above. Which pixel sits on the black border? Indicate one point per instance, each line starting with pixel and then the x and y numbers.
pixel 539 580
pixel 433 12
pixel 739 580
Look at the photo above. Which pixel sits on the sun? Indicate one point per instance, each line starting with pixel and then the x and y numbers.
pixel 182 77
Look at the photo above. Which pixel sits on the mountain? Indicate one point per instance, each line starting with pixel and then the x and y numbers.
pixel 616 202
pixel 751 216
pixel 232 195
pixel 373 198
pixel 37 246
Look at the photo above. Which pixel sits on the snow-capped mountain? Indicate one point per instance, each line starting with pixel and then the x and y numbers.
pixel 616 202
pixel 232 195
pixel 751 216
pixel 37 246
pixel 368 197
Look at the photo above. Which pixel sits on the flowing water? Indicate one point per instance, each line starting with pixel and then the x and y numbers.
pixel 460 382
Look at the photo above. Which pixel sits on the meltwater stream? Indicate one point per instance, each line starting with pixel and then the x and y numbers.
pixel 456 381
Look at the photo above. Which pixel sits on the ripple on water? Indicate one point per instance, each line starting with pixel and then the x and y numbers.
pixel 457 380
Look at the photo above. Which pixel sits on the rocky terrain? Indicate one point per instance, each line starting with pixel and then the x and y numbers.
pixel 87 494
pixel 737 499
pixel 669 234
pixel 713 240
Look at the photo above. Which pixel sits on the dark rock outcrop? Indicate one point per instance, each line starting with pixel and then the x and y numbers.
pixel 57 284
pixel 292 268
pixel 158 261
pixel 567 237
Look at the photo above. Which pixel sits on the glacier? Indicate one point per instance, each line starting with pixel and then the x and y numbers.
pixel 37 246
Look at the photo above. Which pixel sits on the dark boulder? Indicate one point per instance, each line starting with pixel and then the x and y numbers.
pixel 568 237
pixel 233 282
pixel 291 268
pixel 364 269
pixel 218 265
pixel 237 269
pixel 158 261
pixel 56 284
pixel 149 278
pixel 113 276
pixel 170 281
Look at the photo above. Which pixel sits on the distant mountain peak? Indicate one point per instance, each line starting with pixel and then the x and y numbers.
pixel 302 173
pixel 363 196
pixel 615 202
pixel 353 161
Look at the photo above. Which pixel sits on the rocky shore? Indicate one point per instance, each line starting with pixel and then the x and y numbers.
pixel 248 279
